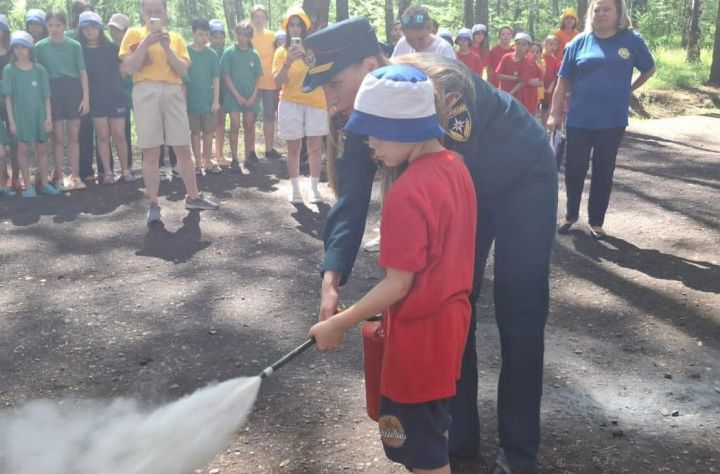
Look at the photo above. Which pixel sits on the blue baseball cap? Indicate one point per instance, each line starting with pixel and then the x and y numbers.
pixel 217 26
pixel 396 103
pixel 22 38
pixel 36 15
pixel 332 49
pixel 89 19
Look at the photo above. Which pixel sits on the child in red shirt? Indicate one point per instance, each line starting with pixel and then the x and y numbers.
pixel 513 70
pixel 427 249
pixel 479 45
pixel 465 54
pixel 497 52
pixel 533 90
pixel 552 66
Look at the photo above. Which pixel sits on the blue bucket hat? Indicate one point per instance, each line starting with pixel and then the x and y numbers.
pixel 36 15
pixel 90 19
pixel 396 103
pixel 465 34
pixel 22 38
pixel 332 49
pixel 4 24
pixel 217 26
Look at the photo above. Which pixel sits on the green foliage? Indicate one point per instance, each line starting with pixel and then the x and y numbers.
pixel 672 71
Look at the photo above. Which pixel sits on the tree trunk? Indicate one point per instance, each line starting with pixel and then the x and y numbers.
pixel 532 15
pixel 318 11
pixel 481 12
pixel 239 11
pixel 582 6
pixel 715 66
pixel 516 13
pixel 389 20
pixel 555 10
pixel 693 47
pixel 468 13
pixel 686 24
pixel 229 10
pixel 402 6
pixel 342 11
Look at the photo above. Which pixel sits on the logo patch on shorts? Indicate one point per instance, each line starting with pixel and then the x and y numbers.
pixel 392 432
pixel 460 124
pixel 624 53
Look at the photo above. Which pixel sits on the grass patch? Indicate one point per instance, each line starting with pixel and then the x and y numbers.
pixel 673 72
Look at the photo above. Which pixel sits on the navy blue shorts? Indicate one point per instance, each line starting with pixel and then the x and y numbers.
pixel 415 435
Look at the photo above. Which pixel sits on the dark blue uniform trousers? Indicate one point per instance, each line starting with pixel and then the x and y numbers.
pixel 521 222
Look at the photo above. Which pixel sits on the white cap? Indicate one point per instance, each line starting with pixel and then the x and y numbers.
pixel 524 37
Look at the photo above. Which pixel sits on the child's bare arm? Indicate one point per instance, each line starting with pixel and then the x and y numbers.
pixel 216 94
pixel 517 87
pixel 10 114
pixel 329 333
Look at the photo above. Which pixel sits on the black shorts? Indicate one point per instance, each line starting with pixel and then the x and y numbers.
pixel 107 108
pixel 415 435
pixel 65 98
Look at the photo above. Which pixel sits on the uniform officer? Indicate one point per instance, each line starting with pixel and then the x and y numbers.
pixel 512 166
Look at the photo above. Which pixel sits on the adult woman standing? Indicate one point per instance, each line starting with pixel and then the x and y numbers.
pixel 300 114
pixel 597 67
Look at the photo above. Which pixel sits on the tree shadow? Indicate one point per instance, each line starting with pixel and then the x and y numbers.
pixel 176 247
pixel 698 275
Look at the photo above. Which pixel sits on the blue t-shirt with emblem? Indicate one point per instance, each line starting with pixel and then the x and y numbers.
pixel 600 70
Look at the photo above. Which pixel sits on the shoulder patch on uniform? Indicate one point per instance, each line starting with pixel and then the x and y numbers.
pixel 392 432
pixel 459 124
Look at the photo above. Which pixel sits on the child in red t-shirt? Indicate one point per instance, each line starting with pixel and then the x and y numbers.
pixel 465 54
pixel 552 66
pixel 427 249
pixel 479 45
pixel 497 52
pixel 513 70
pixel 532 92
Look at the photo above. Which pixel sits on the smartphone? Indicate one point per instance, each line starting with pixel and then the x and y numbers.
pixel 154 24
pixel 295 42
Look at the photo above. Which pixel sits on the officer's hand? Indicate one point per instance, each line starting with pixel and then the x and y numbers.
pixel 328 334
pixel 329 296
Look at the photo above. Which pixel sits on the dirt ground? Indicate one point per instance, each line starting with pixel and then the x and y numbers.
pixel 93 304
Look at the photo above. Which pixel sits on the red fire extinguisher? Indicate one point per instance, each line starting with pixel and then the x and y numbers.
pixel 373 342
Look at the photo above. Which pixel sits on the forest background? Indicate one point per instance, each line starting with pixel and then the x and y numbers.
pixel 684 34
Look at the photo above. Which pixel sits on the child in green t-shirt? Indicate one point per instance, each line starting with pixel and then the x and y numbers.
pixel 27 91
pixel 203 95
pixel 217 43
pixel 65 64
pixel 241 70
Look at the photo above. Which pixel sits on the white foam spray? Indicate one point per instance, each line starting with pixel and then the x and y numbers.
pixel 119 437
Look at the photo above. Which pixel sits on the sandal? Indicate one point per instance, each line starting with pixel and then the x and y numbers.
pixel 214 169
pixel 128 177
pixel 109 178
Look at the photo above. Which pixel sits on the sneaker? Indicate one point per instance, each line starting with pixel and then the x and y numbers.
pixel 296 197
pixel 75 184
pixel 109 178
pixel 252 159
pixel 49 190
pixel 201 203
pixel 5 192
pixel 153 214
pixel 29 193
pixel 175 173
pixel 235 165
pixel 314 196
pixel 272 154
pixel 128 177
pixel 372 245
pixel 214 169
pixel 17 186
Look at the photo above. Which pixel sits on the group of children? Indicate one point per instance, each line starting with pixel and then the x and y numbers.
pixel 54 76
pixel 526 69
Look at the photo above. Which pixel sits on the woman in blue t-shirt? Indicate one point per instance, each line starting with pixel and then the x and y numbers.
pixel 597 67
